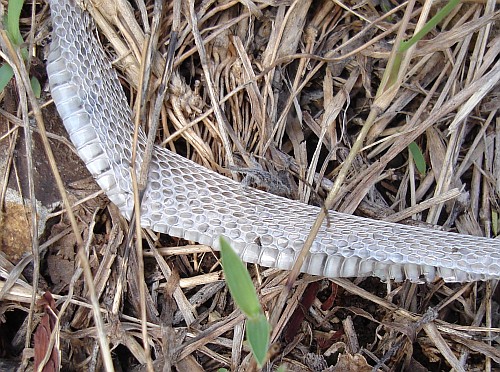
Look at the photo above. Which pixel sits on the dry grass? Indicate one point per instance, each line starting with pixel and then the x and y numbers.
pixel 280 87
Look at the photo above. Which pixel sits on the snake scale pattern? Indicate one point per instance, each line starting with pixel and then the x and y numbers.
pixel 186 200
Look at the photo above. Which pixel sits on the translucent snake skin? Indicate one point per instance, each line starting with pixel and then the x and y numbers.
pixel 186 200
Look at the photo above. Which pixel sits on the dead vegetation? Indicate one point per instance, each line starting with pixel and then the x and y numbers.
pixel 277 88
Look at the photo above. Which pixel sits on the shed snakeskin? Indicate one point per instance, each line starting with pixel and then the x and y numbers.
pixel 186 200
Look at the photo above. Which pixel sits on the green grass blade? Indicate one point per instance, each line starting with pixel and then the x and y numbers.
pixel 386 8
pixel 6 73
pixel 258 330
pixel 418 158
pixel 241 288
pixel 495 222
pixel 405 45
pixel 440 15
pixel 35 85
pixel 13 15
pixel 239 281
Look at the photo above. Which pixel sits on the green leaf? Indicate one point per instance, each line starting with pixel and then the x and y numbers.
pixel 386 7
pixel 241 288
pixel 258 330
pixel 495 222
pixel 35 85
pixel 405 45
pixel 222 370
pixel 24 53
pixel 13 15
pixel 6 73
pixel 239 282
pixel 418 158
pixel 438 17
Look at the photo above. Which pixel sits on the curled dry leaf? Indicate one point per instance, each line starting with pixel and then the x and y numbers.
pixel 43 334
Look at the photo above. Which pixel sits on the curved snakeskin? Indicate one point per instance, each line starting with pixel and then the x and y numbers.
pixel 186 200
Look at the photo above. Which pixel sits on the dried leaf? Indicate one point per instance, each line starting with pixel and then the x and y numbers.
pixel 42 336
